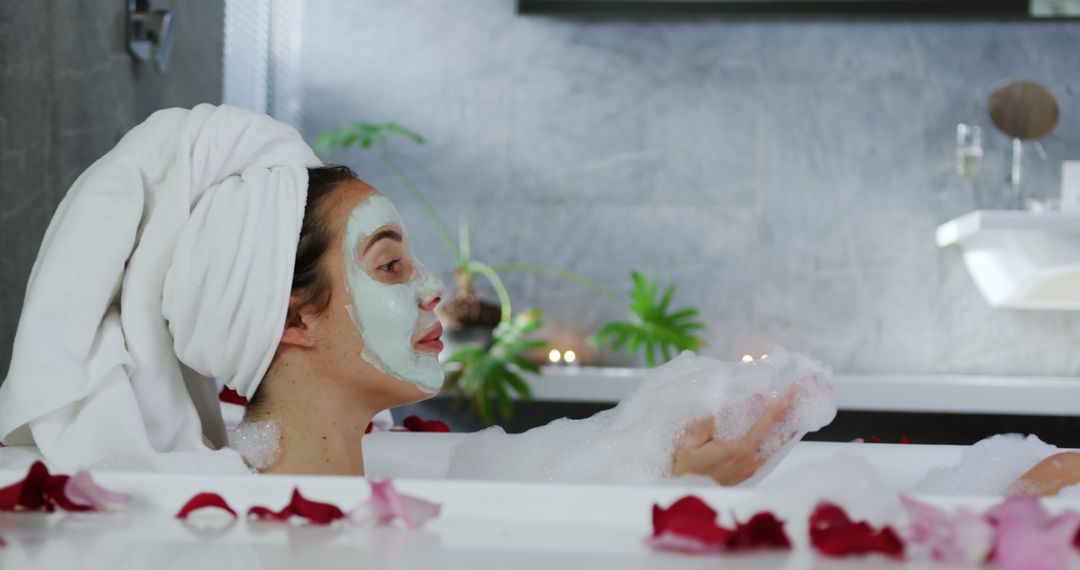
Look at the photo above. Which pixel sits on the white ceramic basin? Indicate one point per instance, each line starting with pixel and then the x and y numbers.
pixel 1018 259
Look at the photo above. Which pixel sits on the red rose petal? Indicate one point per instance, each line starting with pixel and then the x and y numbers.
pixel 370 426
pixel 205 501
pixel 28 494
pixel 230 396
pixel 873 439
pixel 689 525
pixel 905 440
pixel 314 511
pixel 763 530
pixel 11 496
pixel 834 534
pixel 264 513
pixel 417 424
pixel 1076 539
pixel 689 508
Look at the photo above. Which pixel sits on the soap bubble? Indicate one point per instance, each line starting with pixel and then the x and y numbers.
pixel 989 467
pixel 259 443
pixel 633 443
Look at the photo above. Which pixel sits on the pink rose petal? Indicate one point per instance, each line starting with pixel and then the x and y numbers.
pixel 1029 538
pixel 962 538
pixel 387 504
pixel 82 490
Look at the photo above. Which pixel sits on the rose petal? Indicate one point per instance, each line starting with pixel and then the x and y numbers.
pixel 873 439
pixel 417 424
pixel 905 440
pixel 834 534
pixel 963 538
pixel 387 504
pixel 82 490
pixel 230 396
pixel 763 530
pixel 1028 537
pixel 687 508
pixel 28 494
pixel 264 513
pixel 205 501
pixel 38 491
pixel 689 525
pixel 314 511
pixel 55 489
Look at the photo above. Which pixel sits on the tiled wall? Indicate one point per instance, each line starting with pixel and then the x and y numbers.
pixel 787 176
pixel 68 92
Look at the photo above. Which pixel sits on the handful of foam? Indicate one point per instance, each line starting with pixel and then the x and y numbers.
pixel 633 443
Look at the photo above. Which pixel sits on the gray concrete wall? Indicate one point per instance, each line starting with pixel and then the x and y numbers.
pixel 786 176
pixel 68 92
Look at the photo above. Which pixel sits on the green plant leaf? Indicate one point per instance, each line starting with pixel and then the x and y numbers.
pixel 327 140
pixel 488 374
pixel 653 327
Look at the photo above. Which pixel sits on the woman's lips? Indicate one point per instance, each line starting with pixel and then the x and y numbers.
pixel 431 341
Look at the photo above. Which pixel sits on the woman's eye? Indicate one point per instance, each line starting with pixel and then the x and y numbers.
pixel 391 267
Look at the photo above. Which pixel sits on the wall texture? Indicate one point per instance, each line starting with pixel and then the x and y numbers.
pixel 786 176
pixel 68 92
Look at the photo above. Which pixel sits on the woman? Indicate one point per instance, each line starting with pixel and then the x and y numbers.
pixel 361 320
pixel 210 244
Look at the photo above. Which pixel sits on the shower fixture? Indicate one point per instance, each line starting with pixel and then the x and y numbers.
pixel 150 33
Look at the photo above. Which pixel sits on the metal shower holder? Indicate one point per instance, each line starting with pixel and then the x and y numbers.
pixel 150 33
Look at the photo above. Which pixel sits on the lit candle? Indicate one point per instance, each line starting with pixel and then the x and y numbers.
pixel 554 356
pixel 747 358
pixel 569 357
pixel 764 357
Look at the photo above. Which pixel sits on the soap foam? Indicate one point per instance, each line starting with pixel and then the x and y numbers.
pixel 633 443
pixel 989 467
pixel 259 443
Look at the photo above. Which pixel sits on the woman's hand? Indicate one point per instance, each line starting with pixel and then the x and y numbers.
pixel 729 462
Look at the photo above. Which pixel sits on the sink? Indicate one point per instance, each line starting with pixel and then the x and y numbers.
pixel 1020 259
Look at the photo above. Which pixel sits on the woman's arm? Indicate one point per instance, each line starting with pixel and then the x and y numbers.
pixel 1050 476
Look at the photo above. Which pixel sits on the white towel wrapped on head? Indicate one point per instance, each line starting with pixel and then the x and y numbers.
pixel 168 263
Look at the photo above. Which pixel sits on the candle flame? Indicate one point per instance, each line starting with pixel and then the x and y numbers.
pixel 747 358
pixel 554 356
pixel 569 357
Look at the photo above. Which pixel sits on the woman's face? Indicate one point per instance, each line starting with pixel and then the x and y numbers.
pixel 380 327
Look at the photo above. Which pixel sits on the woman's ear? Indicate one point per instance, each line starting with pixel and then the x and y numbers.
pixel 297 330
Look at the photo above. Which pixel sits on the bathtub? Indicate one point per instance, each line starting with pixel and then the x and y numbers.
pixel 483 525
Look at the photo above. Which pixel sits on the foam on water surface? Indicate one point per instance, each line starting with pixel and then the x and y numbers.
pixel 989 467
pixel 633 443
pixel 259 443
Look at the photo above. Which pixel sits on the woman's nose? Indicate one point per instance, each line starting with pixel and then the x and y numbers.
pixel 430 304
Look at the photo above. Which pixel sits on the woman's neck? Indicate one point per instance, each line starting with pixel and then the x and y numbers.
pixel 320 425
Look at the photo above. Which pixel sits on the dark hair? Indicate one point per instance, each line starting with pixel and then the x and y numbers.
pixel 310 282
